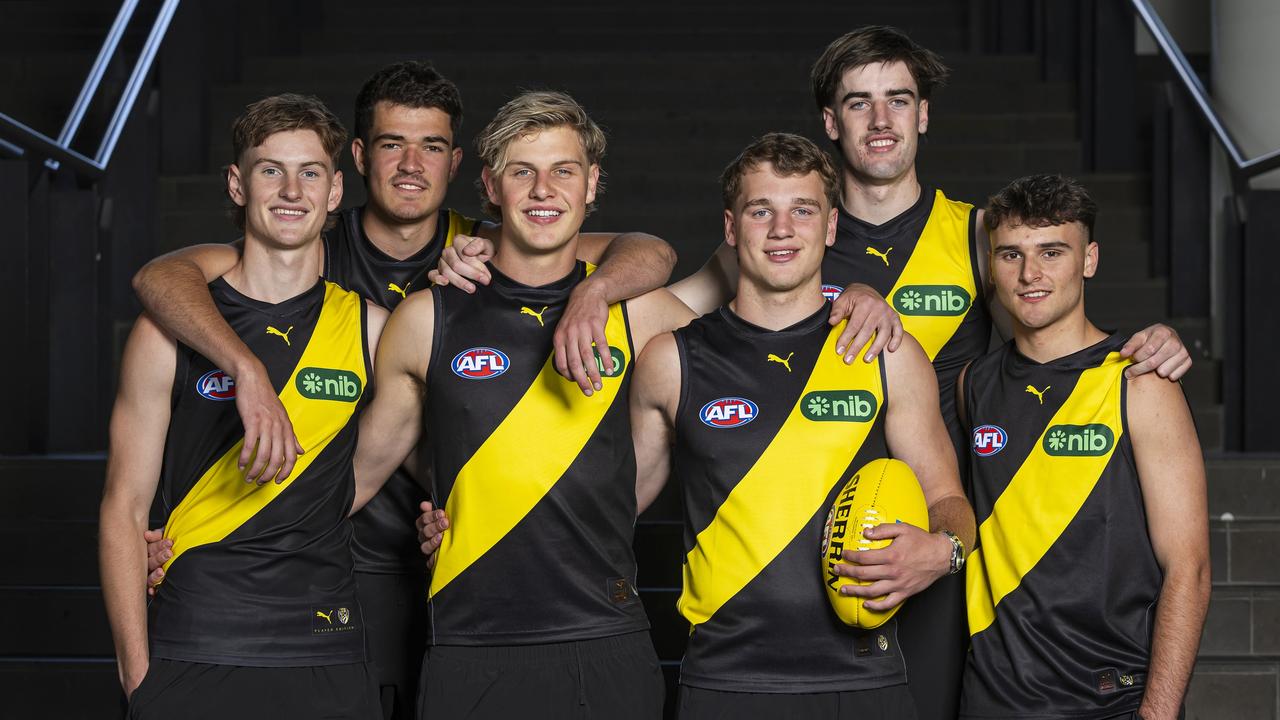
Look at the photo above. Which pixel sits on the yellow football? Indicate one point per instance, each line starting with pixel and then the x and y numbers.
pixel 883 491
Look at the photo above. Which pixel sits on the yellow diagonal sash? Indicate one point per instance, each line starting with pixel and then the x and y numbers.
pixel 221 500
pixel 941 257
pixel 1043 497
pixel 780 493
pixel 458 225
pixel 523 459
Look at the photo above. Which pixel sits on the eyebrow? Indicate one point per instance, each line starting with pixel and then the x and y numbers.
pixel 867 96
pixel 1049 245
pixel 762 202
pixel 270 161
pixel 557 163
pixel 425 138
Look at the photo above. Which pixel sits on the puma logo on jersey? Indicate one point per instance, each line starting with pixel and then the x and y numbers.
pixel 399 290
pixel 1039 393
pixel 327 618
pixel 538 314
pixel 882 255
pixel 283 335
pixel 784 363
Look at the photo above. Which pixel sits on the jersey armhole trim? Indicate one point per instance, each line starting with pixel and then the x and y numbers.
pixel 364 344
pixel 437 331
pixel 979 286
pixel 683 353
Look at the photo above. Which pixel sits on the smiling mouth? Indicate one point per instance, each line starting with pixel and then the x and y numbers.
pixel 1034 295
pixel 543 214
pixel 781 254
pixel 412 187
pixel 286 212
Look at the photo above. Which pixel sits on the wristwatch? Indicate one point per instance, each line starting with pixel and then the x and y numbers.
pixel 957 553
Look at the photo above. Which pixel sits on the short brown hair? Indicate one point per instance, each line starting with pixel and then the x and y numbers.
pixel 528 113
pixel 790 155
pixel 875 44
pixel 412 84
pixel 1041 201
pixel 283 113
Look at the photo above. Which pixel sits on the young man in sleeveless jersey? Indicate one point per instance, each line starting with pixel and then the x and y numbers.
pixel 258 615
pixel 538 476
pixel 1089 583
pixel 757 487
pixel 407 120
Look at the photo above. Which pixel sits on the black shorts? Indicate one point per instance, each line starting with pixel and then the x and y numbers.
pixel 933 634
pixel 893 702
pixel 615 678
pixel 199 691
pixel 395 631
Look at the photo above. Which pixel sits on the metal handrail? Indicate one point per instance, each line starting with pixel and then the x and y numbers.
pixel 59 151
pixel 1241 168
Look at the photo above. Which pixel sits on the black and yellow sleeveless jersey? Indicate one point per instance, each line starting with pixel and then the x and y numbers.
pixel 769 426
pixel 262 575
pixel 385 540
pixel 1063 582
pixel 538 479
pixel 922 261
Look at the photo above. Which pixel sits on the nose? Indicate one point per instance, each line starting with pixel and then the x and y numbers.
pixel 292 188
pixel 880 115
pixel 541 188
pixel 1031 271
pixel 782 226
pixel 410 161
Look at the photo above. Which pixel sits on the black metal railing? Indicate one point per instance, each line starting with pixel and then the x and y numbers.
pixel 19 140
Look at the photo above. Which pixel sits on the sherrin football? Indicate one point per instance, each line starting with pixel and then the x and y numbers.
pixel 883 491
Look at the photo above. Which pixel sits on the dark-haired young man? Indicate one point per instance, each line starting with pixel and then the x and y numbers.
pixel 757 486
pixel 258 615
pixel 405 147
pixel 1089 583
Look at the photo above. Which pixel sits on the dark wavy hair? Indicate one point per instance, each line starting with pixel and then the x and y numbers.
pixel 875 44
pixel 410 83
pixel 1041 201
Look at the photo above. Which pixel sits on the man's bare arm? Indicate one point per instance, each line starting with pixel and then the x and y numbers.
pixel 713 285
pixel 139 423
pixel 655 394
pixel 1171 474
pixel 391 425
pixel 916 435
pixel 173 288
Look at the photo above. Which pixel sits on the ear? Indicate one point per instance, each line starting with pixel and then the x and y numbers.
pixel 490 188
pixel 833 218
pixel 593 179
pixel 335 191
pixel 357 154
pixel 730 230
pixel 923 126
pixel 1091 260
pixel 829 123
pixel 454 163
pixel 235 186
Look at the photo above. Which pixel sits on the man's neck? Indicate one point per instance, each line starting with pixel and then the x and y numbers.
pixel 1068 335
pixel 775 310
pixel 878 203
pixel 274 275
pixel 534 269
pixel 398 240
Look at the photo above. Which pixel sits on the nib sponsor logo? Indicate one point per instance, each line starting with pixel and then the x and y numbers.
pixel 730 412
pixel 932 300
pixel 838 406
pixel 480 363
pixel 328 384
pixel 619 362
pixel 216 385
pixel 1079 440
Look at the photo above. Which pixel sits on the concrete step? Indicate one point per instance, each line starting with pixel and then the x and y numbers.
pixel 63 688
pixel 1244 548
pixel 1243 623
pixel 1115 303
pixel 1245 486
pixel 1109 190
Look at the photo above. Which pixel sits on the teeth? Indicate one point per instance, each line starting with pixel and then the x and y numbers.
pixel 407 186
pixel 781 252
pixel 881 143
pixel 1036 294
pixel 282 211
pixel 544 213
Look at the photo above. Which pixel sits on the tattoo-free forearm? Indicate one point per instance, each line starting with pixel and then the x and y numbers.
pixel 122 555
pixel 954 514
pixel 1184 600
pixel 632 265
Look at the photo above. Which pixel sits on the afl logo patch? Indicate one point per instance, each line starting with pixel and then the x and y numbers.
pixel 831 292
pixel 216 385
pixel 728 412
pixel 989 440
pixel 480 363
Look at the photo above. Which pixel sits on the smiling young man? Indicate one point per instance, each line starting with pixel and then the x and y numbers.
pixel 533 605
pixel 407 121
pixel 1088 587
pixel 258 615
pixel 764 640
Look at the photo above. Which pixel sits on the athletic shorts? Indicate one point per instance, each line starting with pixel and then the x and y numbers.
pixel 395 631
pixel 887 702
pixel 614 678
pixel 199 691
pixel 933 635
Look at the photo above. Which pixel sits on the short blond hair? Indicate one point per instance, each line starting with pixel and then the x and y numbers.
pixel 528 113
